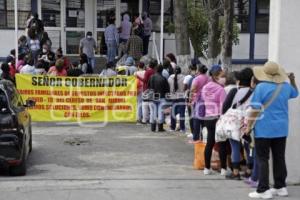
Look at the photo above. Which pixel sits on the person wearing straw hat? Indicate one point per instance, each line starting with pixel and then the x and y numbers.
pixel 269 121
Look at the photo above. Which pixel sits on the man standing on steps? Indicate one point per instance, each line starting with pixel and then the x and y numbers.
pixel 88 46
pixel 147 31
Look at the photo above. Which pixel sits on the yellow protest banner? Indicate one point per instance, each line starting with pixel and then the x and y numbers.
pixel 80 99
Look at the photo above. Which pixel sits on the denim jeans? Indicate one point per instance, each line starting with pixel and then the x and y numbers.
pixel 236 153
pixel 146 111
pixel 254 174
pixel 140 107
pixel 111 50
pixel 178 108
pixel 92 62
pixel 157 111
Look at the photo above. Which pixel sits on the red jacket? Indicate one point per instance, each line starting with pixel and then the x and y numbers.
pixel 149 72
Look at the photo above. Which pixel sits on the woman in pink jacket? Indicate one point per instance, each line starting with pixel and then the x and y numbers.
pixel 214 95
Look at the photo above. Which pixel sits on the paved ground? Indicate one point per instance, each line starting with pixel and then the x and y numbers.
pixel 119 161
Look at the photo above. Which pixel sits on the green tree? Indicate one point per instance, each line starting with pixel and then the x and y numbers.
pixel 181 33
pixel 227 34
pixel 209 30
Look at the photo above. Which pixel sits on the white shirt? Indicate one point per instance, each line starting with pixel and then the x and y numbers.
pixel 28 69
pixel 241 93
pixel 108 73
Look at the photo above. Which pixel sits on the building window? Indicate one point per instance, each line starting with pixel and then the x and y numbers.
pixel 154 12
pixel 51 13
pixel 105 10
pixel 75 13
pixel 262 16
pixel 241 12
pixel 7 19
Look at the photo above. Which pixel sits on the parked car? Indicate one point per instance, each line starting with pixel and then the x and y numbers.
pixel 15 129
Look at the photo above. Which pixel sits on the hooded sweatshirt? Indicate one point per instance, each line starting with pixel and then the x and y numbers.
pixel 126 27
pixel 213 95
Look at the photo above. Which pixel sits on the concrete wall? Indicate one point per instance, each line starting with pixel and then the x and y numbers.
pixel 284 47
pixel 7 41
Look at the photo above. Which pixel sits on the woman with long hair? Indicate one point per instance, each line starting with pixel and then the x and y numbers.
pixel 177 97
pixel 196 102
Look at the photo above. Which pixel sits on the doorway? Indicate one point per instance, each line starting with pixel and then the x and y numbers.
pixel 67 21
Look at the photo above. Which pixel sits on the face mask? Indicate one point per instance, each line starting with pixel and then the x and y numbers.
pixel 45 51
pixel 222 81
pixel 89 37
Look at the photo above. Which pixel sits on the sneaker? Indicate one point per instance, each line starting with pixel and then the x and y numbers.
pixel 265 195
pixel 189 135
pixel 223 172
pixel 282 192
pixel 171 131
pixel 250 182
pixel 207 171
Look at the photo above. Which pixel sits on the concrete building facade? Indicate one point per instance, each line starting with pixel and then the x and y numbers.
pixel 284 43
pixel 67 21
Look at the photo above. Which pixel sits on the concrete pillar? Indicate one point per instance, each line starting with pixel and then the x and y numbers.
pixel 284 48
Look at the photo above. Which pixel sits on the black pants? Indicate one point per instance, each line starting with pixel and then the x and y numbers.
pixel 197 129
pixel 211 129
pixel 146 44
pixel 277 146
pixel 190 118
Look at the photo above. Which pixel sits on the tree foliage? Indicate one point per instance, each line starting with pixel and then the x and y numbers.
pixel 198 25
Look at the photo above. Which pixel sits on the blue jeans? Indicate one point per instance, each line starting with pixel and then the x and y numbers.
pixel 236 153
pixel 140 107
pixel 92 62
pixel 254 175
pixel 157 111
pixel 111 50
pixel 178 108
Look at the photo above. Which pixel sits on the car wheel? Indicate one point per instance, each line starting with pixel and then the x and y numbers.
pixel 30 139
pixel 19 170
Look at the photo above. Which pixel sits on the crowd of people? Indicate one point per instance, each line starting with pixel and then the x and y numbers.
pixel 206 93
pixel 261 93
pixel 131 39
pixel 126 44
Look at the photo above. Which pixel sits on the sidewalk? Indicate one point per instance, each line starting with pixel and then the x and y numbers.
pixel 119 161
